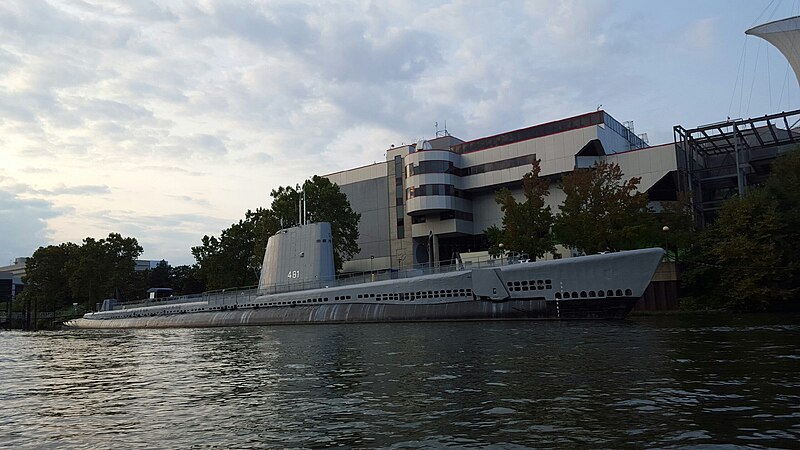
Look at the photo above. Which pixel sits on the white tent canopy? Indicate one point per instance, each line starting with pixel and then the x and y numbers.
pixel 784 34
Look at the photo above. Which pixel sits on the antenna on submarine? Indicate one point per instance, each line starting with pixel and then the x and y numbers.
pixel 302 209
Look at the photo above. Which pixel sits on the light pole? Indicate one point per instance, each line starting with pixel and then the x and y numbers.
pixel 665 229
pixel 371 271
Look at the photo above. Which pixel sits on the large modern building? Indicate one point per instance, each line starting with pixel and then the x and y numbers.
pixel 431 201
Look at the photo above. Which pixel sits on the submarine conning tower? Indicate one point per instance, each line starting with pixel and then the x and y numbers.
pixel 299 257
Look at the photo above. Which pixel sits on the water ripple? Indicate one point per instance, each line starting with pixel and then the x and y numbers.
pixel 641 383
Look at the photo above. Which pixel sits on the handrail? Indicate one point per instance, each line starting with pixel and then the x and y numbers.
pixel 447 266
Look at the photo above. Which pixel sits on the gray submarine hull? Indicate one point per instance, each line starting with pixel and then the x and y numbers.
pixel 607 309
pixel 298 286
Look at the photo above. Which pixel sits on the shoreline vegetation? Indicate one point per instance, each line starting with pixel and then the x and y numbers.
pixel 748 260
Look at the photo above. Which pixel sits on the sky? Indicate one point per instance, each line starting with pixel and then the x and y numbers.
pixel 167 120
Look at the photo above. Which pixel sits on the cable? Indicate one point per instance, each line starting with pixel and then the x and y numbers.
pixel 741 88
pixel 736 83
pixel 784 86
pixel 753 81
pixel 769 80
pixel 762 13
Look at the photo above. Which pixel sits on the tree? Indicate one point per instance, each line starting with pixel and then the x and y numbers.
pixel 186 280
pixel 526 225
pixel 747 259
pixel 677 215
pixel 782 185
pixel 57 276
pixel 601 212
pixel 737 262
pixel 104 269
pixel 325 203
pixel 159 276
pixel 46 276
pixel 265 224
pixel 235 258
pixel 228 261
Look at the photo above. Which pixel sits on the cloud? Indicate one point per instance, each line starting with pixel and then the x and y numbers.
pixel 12 186
pixel 201 145
pixel 204 107
pixel 259 158
pixel 198 201
pixel 167 236
pixel 23 225
pixel 36 170
pixel 700 34
pixel 80 190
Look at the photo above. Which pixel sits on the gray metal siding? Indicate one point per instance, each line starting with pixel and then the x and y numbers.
pixel 369 198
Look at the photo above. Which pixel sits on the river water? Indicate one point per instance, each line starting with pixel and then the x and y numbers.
pixel 668 382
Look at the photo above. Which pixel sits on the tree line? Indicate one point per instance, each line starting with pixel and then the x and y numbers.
pixel 601 212
pixel 71 278
pixel 234 258
pixel 747 260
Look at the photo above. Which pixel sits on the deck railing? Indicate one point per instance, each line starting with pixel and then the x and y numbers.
pixel 246 294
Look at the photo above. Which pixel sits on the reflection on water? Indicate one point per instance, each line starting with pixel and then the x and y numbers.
pixel 645 382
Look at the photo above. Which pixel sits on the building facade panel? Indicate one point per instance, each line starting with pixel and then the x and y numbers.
pixel 368 198
pixel 434 199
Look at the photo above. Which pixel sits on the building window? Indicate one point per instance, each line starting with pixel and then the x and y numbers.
pixel 398 195
pixel 401 222
pixel 435 189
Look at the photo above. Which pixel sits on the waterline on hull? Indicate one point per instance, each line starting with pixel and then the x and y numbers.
pixel 538 309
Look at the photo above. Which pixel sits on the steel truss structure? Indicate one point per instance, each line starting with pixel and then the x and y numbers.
pixel 723 159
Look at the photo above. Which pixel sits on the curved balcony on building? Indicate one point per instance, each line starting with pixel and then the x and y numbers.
pixel 437 203
pixel 432 162
pixel 433 183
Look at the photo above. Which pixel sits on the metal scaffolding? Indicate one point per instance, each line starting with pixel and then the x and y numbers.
pixel 723 159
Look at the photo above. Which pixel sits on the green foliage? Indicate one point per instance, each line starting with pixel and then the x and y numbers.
pixel 678 217
pixel 737 262
pixel 103 269
pixel 325 203
pixel 46 276
pixel 495 237
pixel 747 260
pixel 234 259
pixel 526 225
pixel 185 280
pixel 57 276
pixel 159 276
pixel 266 223
pixel 784 186
pixel 228 261
pixel 601 212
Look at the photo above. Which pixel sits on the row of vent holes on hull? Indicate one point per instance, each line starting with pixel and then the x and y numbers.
pixel 532 285
pixel 584 294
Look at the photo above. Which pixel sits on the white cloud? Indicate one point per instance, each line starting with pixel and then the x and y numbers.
pixel 136 114
pixel 700 35
pixel 23 225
